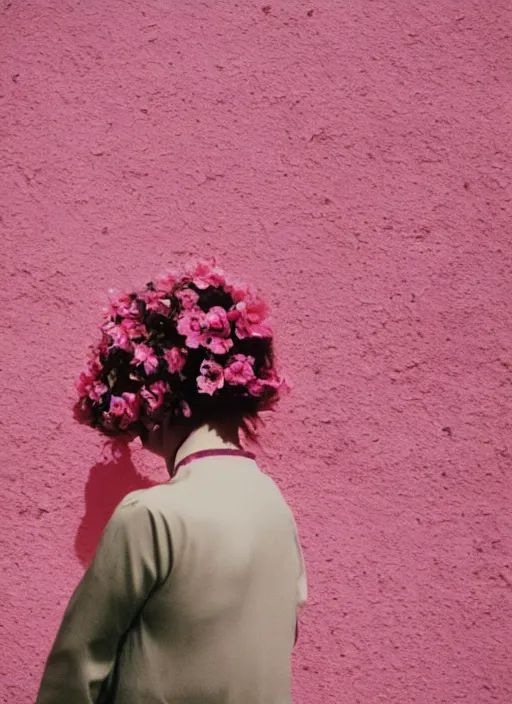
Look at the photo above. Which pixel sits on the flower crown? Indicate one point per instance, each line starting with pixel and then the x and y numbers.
pixel 188 345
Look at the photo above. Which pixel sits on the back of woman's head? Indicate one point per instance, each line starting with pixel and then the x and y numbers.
pixel 193 348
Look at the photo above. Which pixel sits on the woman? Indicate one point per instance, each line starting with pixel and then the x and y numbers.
pixel 193 592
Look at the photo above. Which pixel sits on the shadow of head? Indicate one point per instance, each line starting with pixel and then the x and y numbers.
pixel 109 482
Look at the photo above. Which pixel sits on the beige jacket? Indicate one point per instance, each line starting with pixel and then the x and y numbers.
pixel 190 599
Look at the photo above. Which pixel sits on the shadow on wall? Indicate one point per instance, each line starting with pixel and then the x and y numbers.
pixel 108 484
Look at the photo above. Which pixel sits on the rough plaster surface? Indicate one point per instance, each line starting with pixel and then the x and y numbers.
pixel 354 160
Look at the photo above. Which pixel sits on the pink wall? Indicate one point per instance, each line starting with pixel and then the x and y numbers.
pixel 354 159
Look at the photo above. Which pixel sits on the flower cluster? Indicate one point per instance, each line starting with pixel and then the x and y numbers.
pixel 188 345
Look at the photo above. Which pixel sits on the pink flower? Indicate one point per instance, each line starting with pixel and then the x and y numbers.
pixel 155 301
pixel 185 409
pixel 146 356
pixel 125 407
pixel 94 361
pixel 97 391
pixel 205 275
pixel 211 378
pixel 218 322
pixel 95 367
pixel 218 345
pixel 117 298
pixel 188 298
pixel 102 347
pixel 118 406
pixel 129 310
pixel 123 304
pixel 176 359
pixel 192 324
pixel 239 370
pixel 249 315
pixel 165 283
pixel 132 410
pixel 257 386
pixel 240 293
pixel 219 329
pixel 133 328
pixel 84 384
pixel 118 336
pixel 147 396
pixel 154 397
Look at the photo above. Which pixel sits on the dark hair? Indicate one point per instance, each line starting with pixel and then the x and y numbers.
pixel 194 347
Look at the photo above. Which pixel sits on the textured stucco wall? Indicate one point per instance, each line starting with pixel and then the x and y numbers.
pixel 354 159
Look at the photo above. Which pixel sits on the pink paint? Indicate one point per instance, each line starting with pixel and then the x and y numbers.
pixel 353 160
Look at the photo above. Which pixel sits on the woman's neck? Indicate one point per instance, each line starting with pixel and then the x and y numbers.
pixel 203 438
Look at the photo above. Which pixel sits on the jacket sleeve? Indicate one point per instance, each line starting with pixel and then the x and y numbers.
pixel 301 591
pixel 132 559
pixel 302 582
